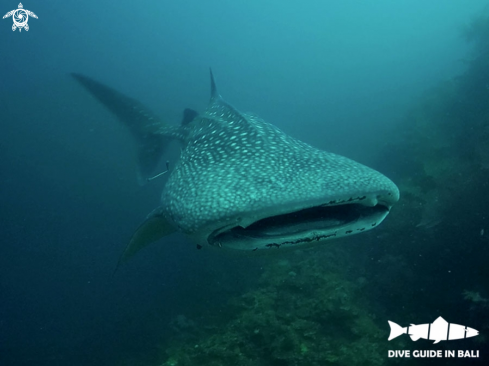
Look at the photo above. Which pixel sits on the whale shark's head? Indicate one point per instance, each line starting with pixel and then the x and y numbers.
pixel 241 183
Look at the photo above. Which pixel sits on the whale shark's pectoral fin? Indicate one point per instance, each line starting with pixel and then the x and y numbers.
pixel 414 337
pixel 151 134
pixel 152 229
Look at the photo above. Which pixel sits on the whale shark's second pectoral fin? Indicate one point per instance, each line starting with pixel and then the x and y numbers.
pixel 415 337
pixel 152 229
pixel 151 134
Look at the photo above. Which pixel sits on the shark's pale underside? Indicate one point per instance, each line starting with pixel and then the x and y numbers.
pixel 241 183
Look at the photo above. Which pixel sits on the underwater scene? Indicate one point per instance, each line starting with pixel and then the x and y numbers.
pixel 269 183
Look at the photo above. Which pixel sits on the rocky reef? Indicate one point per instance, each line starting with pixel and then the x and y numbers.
pixel 435 245
pixel 301 313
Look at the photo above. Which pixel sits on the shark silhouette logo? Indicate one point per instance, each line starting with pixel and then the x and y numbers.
pixel 20 17
pixel 439 330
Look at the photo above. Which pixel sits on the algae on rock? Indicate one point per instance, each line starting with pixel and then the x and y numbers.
pixel 301 314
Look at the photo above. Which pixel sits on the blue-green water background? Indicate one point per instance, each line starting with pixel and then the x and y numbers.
pixel 333 73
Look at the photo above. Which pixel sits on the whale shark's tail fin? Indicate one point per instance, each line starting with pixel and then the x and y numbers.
pixel 151 134
pixel 396 330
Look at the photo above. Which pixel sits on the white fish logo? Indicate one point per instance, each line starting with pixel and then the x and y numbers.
pixel 439 330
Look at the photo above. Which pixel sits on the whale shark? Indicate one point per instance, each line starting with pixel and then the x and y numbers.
pixel 240 183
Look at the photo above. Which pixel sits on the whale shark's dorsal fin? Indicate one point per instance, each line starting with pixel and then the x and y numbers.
pixel 214 93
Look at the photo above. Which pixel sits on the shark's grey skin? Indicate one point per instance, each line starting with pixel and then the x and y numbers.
pixel 241 183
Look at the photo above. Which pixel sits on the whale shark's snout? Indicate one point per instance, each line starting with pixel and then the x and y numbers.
pixel 241 183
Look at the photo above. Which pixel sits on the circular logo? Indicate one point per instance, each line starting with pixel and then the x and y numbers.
pixel 20 18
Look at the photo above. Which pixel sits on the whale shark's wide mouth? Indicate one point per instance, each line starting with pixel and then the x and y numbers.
pixel 301 227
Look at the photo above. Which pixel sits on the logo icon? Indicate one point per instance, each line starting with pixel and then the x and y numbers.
pixel 439 330
pixel 20 17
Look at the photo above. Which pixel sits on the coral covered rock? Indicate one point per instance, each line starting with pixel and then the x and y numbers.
pixel 301 314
